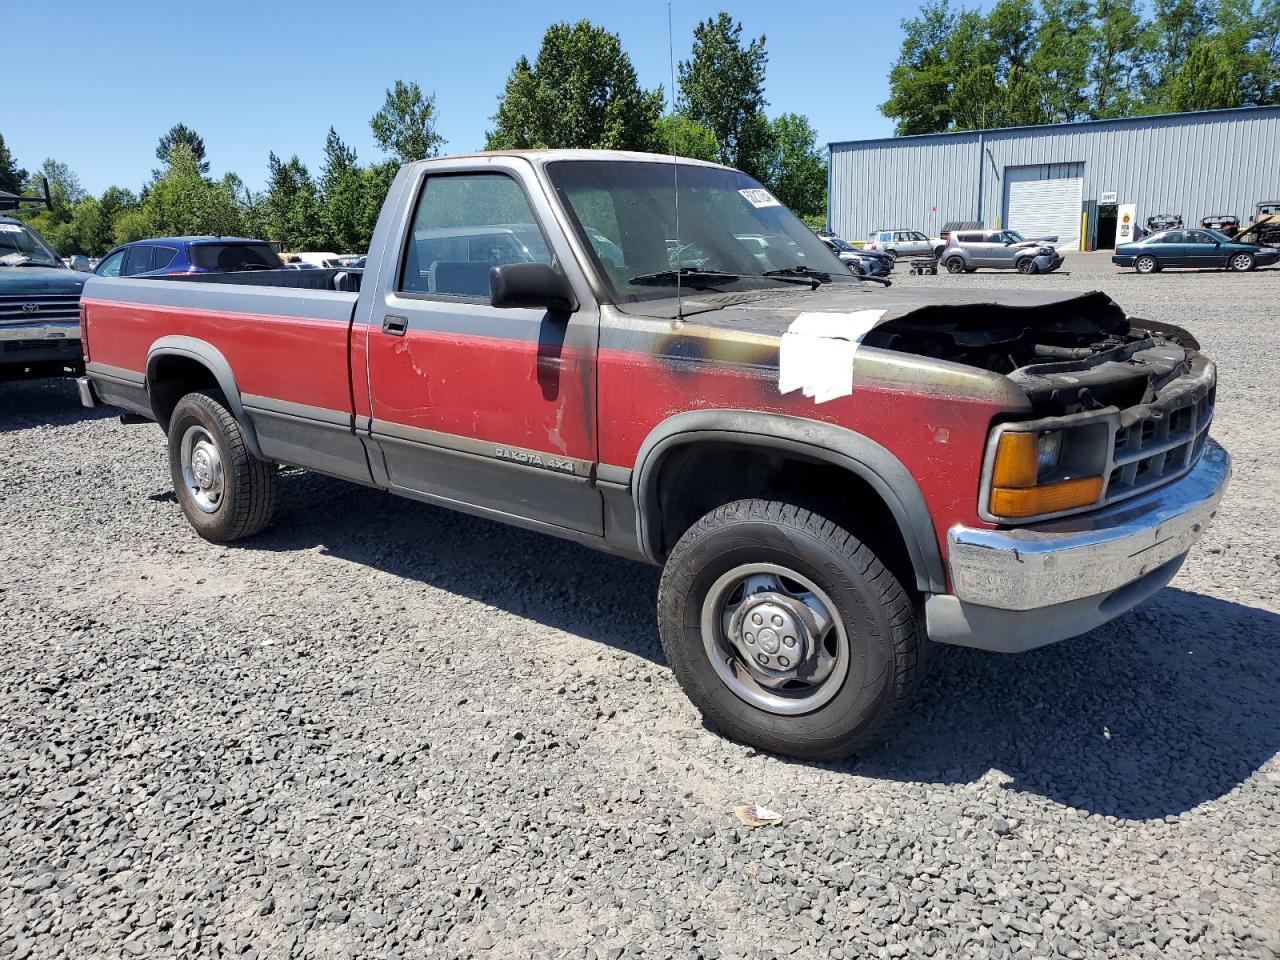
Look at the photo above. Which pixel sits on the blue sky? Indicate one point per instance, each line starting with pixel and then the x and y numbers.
pixel 96 84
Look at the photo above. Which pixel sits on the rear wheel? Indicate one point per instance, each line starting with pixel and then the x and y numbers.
pixel 225 491
pixel 955 265
pixel 1242 262
pixel 1146 264
pixel 786 631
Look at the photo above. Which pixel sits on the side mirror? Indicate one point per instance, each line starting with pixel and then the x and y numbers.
pixel 531 285
pixel 80 262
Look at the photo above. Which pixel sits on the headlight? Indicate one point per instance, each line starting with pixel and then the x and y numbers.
pixel 1044 472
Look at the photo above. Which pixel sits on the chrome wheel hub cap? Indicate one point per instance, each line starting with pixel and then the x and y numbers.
pixel 202 472
pixel 774 639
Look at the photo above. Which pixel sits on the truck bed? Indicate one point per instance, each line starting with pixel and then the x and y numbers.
pixel 325 279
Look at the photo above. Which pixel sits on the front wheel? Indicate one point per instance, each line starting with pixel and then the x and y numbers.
pixel 786 631
pixel 225 491
pixel 955 265
pixel 1146 264
pixel 1027 265
pixel 1242 262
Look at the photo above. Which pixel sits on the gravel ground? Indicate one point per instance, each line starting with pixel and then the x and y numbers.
pixel 385 730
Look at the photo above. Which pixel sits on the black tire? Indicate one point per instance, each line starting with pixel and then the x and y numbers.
pixel 247 496
pixel 955 265
pixel 1242 262
pixel 876 613
pixel 892 253
pixel 1027 265
pixel 1146 264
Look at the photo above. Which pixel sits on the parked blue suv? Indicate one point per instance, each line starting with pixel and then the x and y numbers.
pixel 173 255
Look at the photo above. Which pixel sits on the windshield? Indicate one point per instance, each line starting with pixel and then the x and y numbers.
pixel 1013 236
pixel 843 245
pixel 731 231
pixel 24 245
pixel 233 257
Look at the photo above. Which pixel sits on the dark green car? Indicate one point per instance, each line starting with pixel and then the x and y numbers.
pixel 1193 248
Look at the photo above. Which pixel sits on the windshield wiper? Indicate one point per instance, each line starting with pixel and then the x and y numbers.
pixel 685 273
pixel 799 274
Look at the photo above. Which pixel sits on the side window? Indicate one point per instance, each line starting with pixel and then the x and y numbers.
pixel 1174 236
pixel 110 267
pixel 886 237
pixel 137 260
pixel 1197 236
pixel 162 257
pixel 465 224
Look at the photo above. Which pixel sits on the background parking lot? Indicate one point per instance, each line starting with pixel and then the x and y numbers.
pixel 385 730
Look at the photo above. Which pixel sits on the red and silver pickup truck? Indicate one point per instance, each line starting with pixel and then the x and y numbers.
pixel 832 474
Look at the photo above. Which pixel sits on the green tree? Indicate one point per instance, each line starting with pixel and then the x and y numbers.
pixel 722 88
pixel 1177 27
pixel 1013 30
pixel 180 133
pixel 342 188
pixel 64 185
pixel 133 225
pixel 1059 63
pixel 405 126
pixel 581 91
pixel 291 207
pixel 797 172
pixel 375 184
pixel 1118 58
pixel 685 138
pixel 920 81
pixel 12 177
pixel 183 202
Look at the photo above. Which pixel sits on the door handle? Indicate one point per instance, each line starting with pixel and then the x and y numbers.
pixel 395 324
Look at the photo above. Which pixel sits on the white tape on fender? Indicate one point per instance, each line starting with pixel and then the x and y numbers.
pixel 817 351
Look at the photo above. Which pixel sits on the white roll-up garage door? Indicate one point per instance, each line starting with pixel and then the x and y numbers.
pixel 1045 207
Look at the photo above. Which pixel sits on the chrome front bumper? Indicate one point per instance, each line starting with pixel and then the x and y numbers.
pixel 1020 588
pixel 40 331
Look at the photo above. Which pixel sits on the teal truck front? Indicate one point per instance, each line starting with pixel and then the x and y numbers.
pixel 39 306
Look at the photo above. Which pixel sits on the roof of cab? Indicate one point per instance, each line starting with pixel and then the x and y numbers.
pixel 547 155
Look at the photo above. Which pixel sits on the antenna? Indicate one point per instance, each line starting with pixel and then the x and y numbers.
pixel 675 165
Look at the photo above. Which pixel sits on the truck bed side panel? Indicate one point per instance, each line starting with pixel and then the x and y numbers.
pixel 287 349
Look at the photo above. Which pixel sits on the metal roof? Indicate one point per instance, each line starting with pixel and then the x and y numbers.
pixel 1050 128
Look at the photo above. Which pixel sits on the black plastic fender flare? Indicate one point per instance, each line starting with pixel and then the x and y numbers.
pixel 813 439
pixel 210 357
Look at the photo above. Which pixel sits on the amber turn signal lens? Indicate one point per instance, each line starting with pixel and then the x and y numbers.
pixel 1017 459
pixel 1050 498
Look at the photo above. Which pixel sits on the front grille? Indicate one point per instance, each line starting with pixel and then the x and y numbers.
pixel 1162 445
pixel 50 308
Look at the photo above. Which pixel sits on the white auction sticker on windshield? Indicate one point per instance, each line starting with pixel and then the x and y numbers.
pixel 10 228
pixel 760 198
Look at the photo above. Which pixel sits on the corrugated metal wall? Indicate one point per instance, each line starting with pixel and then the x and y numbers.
pixel 1195 164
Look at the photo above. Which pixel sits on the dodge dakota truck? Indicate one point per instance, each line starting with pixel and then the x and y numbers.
pixel 659 360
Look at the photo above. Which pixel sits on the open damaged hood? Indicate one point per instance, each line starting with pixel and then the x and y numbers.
pixel 1065 351
pixel 772 312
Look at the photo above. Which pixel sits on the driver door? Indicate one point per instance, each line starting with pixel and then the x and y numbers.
pixel 474 406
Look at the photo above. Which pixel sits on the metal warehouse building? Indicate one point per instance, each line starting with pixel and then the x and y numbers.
pixel 1069 179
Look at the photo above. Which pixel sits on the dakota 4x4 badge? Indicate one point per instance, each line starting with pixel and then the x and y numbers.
pixel 535 460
